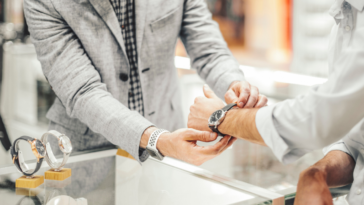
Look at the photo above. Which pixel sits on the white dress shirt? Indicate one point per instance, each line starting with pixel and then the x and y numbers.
pixel 330 112
pixel 327 112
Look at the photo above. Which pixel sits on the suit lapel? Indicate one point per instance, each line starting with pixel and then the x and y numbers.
pixel 140 13
pixel 107 13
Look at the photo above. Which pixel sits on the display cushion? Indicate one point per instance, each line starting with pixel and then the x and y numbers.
pixel 33 182
pixel 58 175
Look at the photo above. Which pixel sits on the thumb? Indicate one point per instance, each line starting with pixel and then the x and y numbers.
pixel 193 135
pixel 208 92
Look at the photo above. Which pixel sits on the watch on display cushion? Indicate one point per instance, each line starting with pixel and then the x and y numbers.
pixel 38 150
pixel 65 146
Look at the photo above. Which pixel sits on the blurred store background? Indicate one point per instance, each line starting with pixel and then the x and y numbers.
pixel 280 44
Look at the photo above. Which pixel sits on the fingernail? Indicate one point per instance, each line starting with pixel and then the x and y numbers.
pixel 212 135
pixel 241 104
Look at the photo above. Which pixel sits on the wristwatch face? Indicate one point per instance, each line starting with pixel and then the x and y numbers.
pixel 65 144
pixel 215 116
pixel 40 148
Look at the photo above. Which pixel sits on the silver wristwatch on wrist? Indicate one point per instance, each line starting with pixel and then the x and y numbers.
pixel 65 146
pixel 152 144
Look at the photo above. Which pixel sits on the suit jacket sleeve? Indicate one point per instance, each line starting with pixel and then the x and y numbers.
pixel 207 49
pixel 77 83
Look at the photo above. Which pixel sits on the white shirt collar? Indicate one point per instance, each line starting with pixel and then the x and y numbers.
pixel 336 12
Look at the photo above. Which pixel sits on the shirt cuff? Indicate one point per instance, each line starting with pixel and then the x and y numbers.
pixel 143 154
pixel 266 129
pixel 340 145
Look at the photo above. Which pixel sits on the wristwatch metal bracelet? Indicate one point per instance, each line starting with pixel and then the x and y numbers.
pixel 18 159
pixel 152 144
pixel 65 146
pixel 218 117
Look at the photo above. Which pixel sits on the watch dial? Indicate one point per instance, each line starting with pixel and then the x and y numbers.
pixel 65 144
pixel 216 116
pixel 40 147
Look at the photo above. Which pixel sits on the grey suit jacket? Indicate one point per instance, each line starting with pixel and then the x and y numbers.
pixel 81 49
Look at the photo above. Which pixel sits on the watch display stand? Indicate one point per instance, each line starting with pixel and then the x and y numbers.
pixel 124 153
pixel 29 181
pixel 58 175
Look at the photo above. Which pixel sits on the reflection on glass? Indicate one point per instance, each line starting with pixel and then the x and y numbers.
pixel 66 200
pixel 158 183
pixel 28 200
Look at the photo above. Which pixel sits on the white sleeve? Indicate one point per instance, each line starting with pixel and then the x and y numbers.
pixel 324 115
pixel 339 145
pixel 352 143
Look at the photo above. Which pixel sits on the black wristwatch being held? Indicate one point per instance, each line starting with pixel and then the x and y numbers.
pixel 218 117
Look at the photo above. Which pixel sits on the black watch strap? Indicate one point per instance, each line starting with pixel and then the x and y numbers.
pixel 226 108
pixel 14 150
pixel 212 127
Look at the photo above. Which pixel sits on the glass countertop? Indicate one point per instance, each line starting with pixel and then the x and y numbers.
pixel 102 178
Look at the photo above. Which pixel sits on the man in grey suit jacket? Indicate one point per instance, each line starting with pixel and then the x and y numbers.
pixel 111 65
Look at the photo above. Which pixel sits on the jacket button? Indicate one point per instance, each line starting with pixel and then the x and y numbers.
pixel 123 76
pixel 358 192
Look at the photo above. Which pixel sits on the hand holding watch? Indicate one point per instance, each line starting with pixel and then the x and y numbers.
pixel 218 117
pixel 214 121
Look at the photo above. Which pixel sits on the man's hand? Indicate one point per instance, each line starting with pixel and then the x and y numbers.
pixel 245 95
pixel 181 144
pixel 312 188
pixel 239 123
pixel 202 109
pixel 334 170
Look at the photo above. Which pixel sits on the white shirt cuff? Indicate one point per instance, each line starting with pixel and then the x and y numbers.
pixel 340 145
pixel 267 130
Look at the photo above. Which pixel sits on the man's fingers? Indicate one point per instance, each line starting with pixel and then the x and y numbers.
pixel 243 91
pixel 253 98
pixel 262 101
pixel 205 136
pixel 208 92
pixel 231 97
pixel 225 143
pixel 215 149
pixel 231 141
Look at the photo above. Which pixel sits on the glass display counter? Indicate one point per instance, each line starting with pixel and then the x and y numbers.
pixel 103 178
